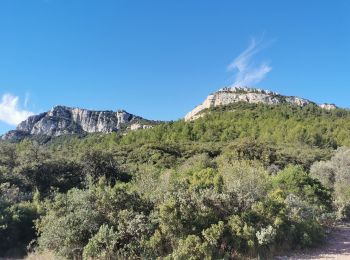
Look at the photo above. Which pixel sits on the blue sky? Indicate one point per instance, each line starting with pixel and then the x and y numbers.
pixel 159 59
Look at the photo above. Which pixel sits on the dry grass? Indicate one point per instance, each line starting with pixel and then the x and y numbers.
pixel 41 256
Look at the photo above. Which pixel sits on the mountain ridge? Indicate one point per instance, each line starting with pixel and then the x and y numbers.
pixel 61 120
pixel 229 95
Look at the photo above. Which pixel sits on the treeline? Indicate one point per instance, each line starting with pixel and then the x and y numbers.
pixel 281 124
pixel 180 190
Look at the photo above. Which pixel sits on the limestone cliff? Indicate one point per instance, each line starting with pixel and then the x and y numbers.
pixel 226 96
pixel 62 120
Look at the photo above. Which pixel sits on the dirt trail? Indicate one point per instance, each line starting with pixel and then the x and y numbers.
pixel 336 247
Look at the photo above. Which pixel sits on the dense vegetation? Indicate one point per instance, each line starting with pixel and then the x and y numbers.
pixel 244 180
pixel 282 124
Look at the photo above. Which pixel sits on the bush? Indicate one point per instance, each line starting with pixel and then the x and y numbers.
pixel 335 174
pixel 102 221
pixel 70 222
pixel 192 248
pixel 16 227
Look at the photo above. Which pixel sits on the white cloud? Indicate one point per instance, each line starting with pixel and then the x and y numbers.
pixel 10 112
pixel 247 73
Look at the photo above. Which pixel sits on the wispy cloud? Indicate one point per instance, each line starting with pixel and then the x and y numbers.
pixel 247 72
pixel 26 100
pixel 10 111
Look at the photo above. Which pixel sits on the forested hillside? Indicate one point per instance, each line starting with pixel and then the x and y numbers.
pixel 243 180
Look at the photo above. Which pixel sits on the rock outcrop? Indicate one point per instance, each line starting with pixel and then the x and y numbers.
pixel 328 106
pixel 226 96
pixel 63 120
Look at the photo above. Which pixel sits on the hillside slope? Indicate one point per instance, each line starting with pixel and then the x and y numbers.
pixel 285 123
pixel 244 180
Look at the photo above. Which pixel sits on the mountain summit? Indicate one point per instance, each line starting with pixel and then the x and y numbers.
pixel 62 120
pixel 229 95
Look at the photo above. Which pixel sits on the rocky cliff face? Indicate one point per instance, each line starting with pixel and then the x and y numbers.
pixel 226 96
pixel 65 120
